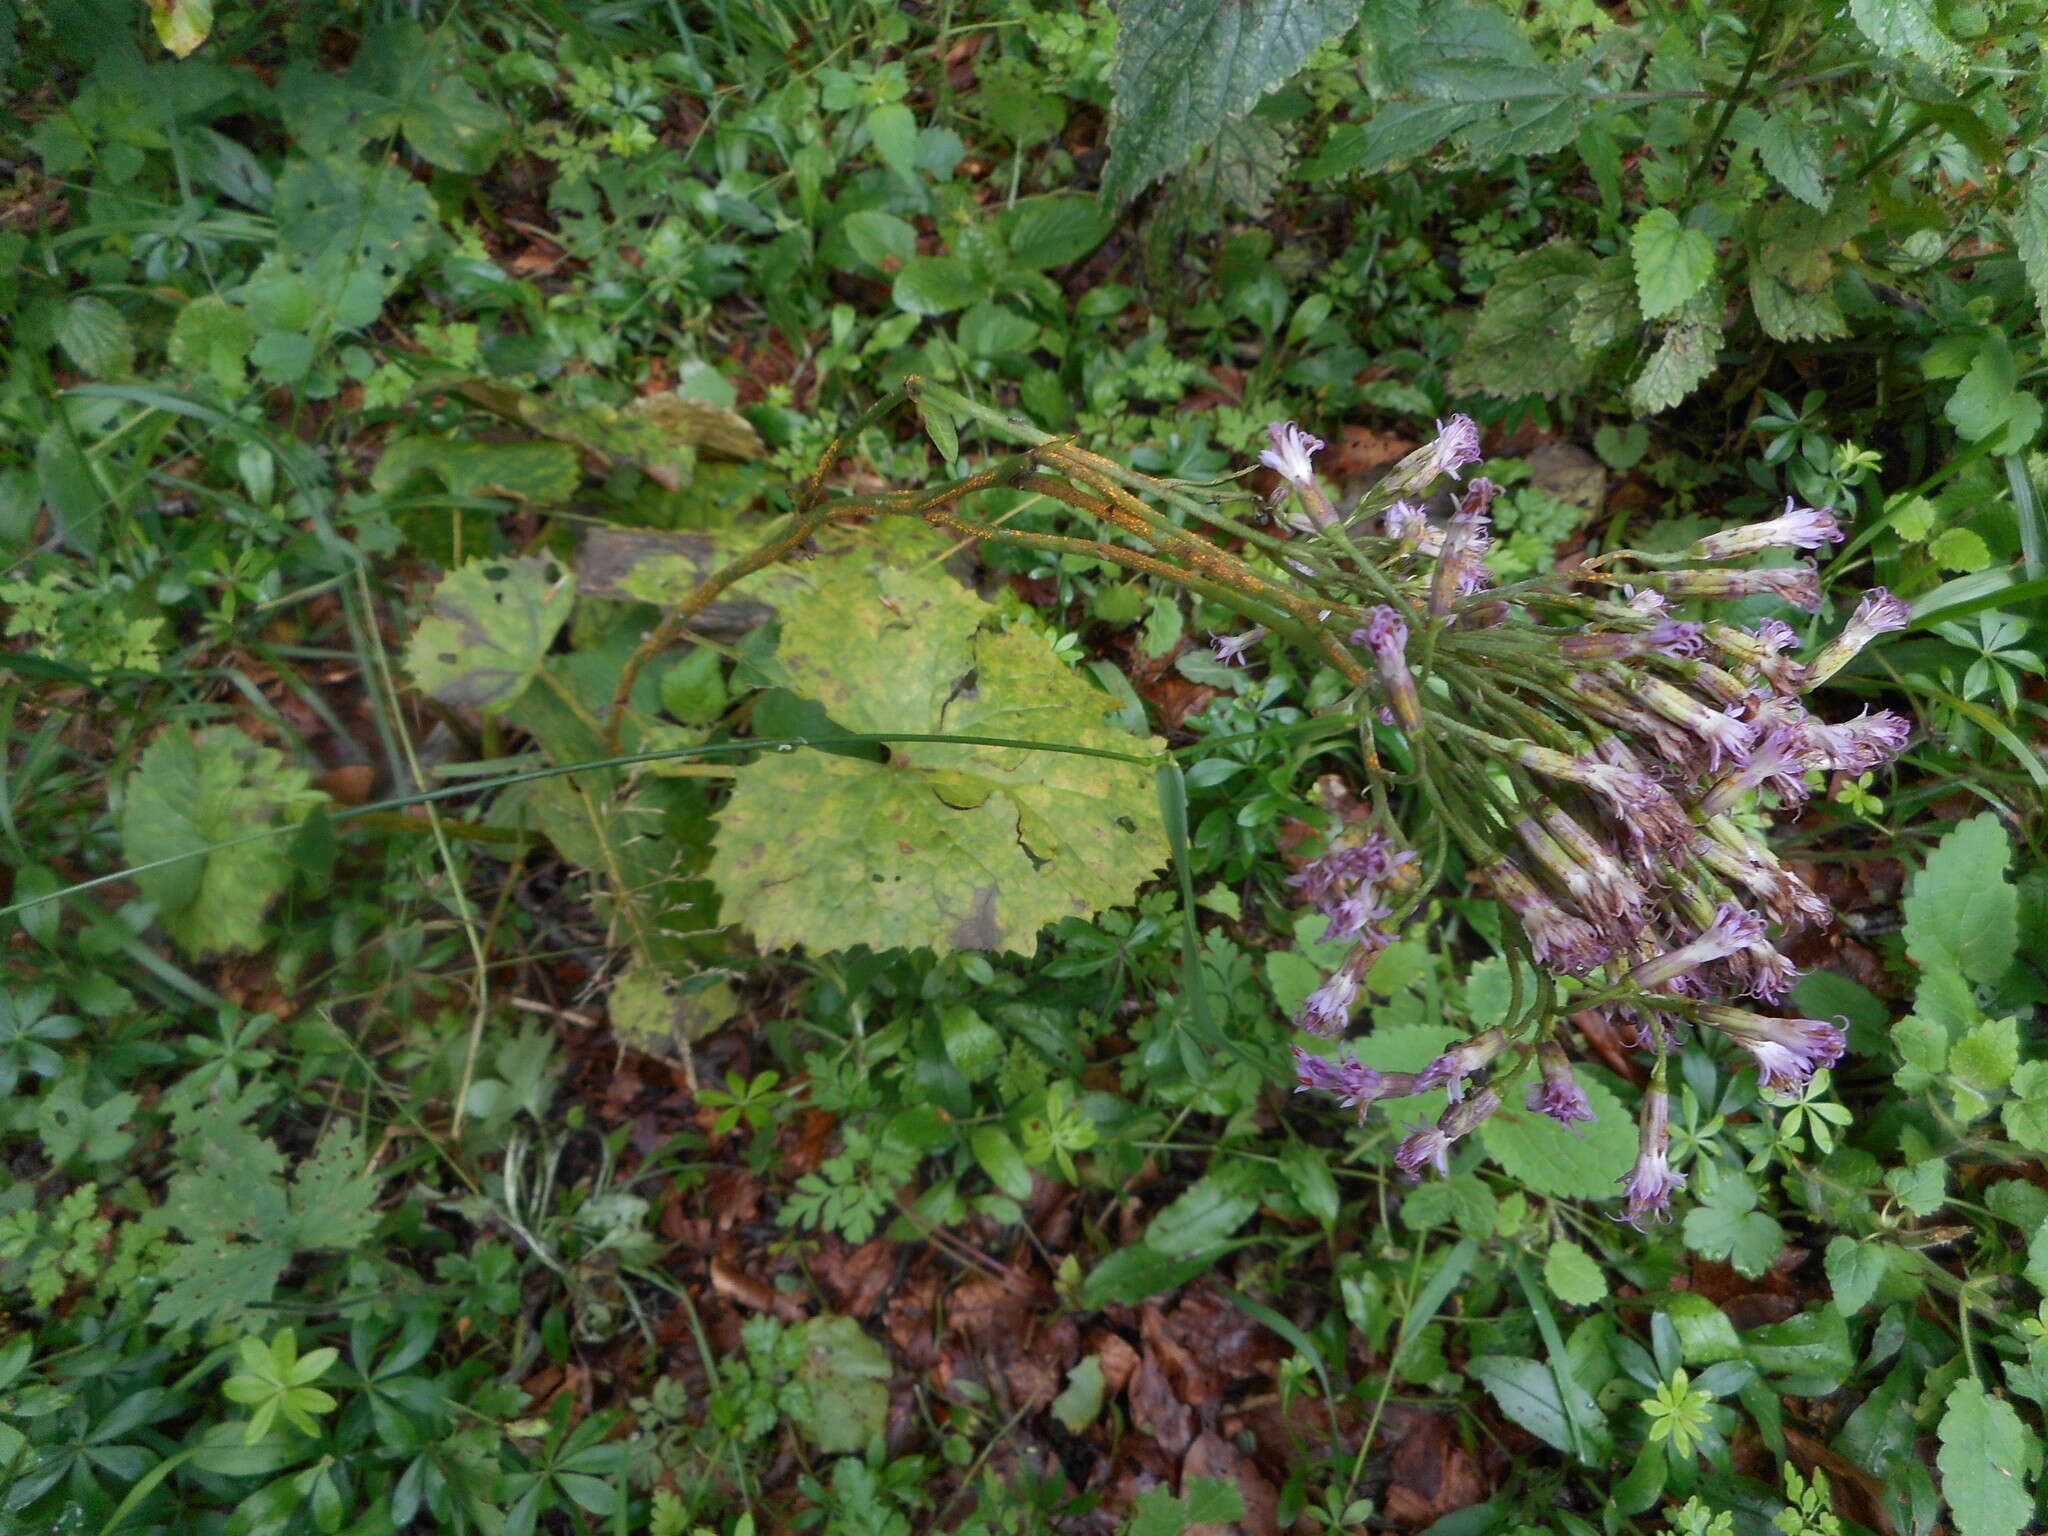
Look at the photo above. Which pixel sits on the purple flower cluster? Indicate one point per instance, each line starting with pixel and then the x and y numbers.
pixel 1589 750
pixel 1347 885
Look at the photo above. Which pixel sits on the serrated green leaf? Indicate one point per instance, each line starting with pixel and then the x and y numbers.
pixel 1585 1162
pixel 1526 1391
pixel 1960 910
pixel 212 336
pixel 1922 1188
pixel 405 79
pixel 1307 1171
pixel 1689 352
pixel 1984 1059
pixel 1810 1355
pixel 1988 1460
pixel 1184 68
pixel 1204 1215
pixel 2037 1259
pixel 1134 1274
pixel 191 793
pixel 1051 230
pixel 1790 314
pixel 1904 29
pixel 241 1226
pixel 487 631
pixel 2030 230
pixel 1573 1275
pixel 845 1374
pixel 2026 1113
pixel 1604 310
pixel 94 336
pixel 1672 263
pixel 1959 549
pixel 1521 343
pixel 892 129
pixel 1854 1269
pixel 880 239
pixel 1790 150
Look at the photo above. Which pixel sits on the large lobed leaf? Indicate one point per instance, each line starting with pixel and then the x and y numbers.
pixel 487 631
pixel 941 846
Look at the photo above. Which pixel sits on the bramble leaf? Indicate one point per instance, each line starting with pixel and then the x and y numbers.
pixel 1185 68
pixel 487 630
pixel 192 793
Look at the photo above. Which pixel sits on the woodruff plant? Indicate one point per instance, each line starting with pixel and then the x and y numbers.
pixel 1582 748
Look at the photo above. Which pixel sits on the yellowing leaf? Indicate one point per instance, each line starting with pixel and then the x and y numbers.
pixel 181 25
pixel 487 630
pixel 942 846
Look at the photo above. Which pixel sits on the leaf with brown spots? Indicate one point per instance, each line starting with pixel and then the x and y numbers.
pixel 942 847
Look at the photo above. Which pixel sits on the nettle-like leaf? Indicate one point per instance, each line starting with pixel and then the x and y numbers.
pixel 942 846
pixel 1689 351
pixel 1904 29
pixel 1184 68
pixel 192 793
pixel 487 631
pixel 1672 263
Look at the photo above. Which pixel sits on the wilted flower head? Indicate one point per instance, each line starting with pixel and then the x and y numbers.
pixel 1230 649
pixel 1879 613
pixel 1649 1185
pixel 1450 1070
pixel 1429 1146
pixel 1857 746
pixel 1597 754
pixel 1558 1094
pixel 1327 1010
pixel 1795 528
pixel 1787 1051
pixel 1456 445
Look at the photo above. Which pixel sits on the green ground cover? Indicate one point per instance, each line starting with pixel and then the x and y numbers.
pixel 499 1035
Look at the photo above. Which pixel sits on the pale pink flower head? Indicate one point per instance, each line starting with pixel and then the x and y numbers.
pixel 1291 453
